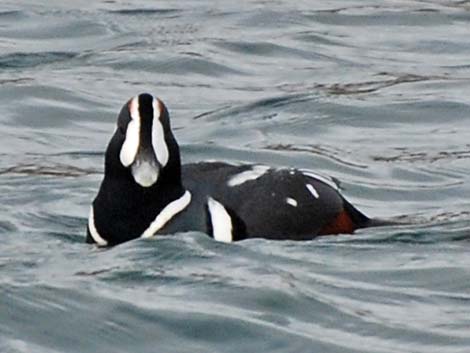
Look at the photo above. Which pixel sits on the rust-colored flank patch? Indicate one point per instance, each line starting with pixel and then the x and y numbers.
pixel 342 224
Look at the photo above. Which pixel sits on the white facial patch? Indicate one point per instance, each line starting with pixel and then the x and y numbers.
pixel 170 210
pixel 254 173
pixel 221 221
pixel 313 191
pixel 321 178
pixel 131 143
pixel 292 202
pixel 158 136
pixel 145 173
pixel 93 231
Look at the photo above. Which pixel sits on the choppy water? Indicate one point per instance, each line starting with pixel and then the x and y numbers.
pixel 373 93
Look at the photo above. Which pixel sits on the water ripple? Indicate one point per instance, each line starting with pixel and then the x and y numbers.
pixel 145 12
pixel 29 60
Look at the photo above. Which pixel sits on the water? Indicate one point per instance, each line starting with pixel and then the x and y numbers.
pixel 372 93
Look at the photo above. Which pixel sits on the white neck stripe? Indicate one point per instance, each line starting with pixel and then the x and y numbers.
pixel 170 210
pixel 93 231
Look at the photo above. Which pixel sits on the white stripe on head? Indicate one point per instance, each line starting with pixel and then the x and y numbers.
pixel 252 174
pixel 93 231
pixel 170 210
pixel 291 201
pixel 158 135
pixel 313 191
pixel 221 221
pixel 131 143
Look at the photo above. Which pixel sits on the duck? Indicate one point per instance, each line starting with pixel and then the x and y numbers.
pixel 147 192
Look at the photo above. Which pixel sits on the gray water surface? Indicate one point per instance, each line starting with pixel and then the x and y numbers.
pixel 375 94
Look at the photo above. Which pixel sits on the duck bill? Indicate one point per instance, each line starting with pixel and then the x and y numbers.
pixel 145 170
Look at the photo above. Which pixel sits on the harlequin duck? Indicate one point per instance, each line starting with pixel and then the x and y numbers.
pixel 146 191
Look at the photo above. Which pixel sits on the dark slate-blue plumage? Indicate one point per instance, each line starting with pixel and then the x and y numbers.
pixel 146 191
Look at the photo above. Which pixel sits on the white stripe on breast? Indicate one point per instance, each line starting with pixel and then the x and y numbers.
pixel 221 221
pixel 93 231
pixel 170 210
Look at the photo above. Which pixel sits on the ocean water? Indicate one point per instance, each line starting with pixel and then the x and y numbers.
pixel 375 94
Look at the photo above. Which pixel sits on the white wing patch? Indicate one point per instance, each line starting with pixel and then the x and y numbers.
pixel 158 136
pixel 254 173
pixel 321 178
pixel 93 231
pixel 292 202
pixel 221 221
pixel 131 143
pixel 170 210
pixel 313 191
